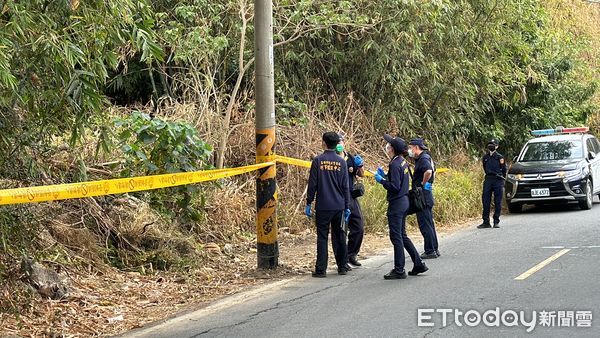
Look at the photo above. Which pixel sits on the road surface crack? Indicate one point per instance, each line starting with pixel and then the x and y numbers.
pixel 281 304
pixel 277 305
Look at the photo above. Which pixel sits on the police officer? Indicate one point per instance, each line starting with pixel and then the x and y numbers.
pixel 494 166
pixel 396 183
pixel 328 180
pixel 424 177
pixel 356 228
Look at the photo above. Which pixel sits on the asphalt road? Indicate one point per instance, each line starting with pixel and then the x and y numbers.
pixel 477 271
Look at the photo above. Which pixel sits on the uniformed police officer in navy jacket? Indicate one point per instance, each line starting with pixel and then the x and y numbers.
pixel 494 167
pixel 396 183
pixel 328 181
pixel 356 229
pixel 424 176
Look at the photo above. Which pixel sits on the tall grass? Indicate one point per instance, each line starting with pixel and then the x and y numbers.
pixel 457 196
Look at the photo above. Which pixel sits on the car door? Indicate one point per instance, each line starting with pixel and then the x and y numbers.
pixel 596 163
pixel 592 147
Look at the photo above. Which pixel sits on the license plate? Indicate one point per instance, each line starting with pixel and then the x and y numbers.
pixel 545 192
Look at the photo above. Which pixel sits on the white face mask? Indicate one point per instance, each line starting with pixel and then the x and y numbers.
pixel 411 152
pixel 388 149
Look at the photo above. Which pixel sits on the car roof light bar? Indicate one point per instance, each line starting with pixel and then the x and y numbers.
pixel 543 132
pixel 559 130
pixel 576 130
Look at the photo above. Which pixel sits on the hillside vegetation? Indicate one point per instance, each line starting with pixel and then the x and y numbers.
pixel 104 89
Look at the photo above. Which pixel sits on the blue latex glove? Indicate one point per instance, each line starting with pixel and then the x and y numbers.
pixel 381 172
pixel 358 161
pixel 428 186
pixel 307 211
pixel 378 177
pixel 346 215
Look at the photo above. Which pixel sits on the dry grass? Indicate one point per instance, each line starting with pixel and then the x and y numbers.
pixel 166 263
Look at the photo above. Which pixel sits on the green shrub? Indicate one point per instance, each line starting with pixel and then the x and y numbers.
pixel 457 196
pixel 155 146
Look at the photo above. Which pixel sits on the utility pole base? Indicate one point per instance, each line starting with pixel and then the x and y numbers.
pixel 268 256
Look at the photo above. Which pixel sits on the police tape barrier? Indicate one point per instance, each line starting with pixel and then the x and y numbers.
pixel 306 164
pixel 292 161
pixel 133 184
pixel 118 186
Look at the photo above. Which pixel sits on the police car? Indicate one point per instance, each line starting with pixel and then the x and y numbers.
pixel 557 165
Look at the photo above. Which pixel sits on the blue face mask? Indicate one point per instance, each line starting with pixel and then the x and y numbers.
pixel 339 148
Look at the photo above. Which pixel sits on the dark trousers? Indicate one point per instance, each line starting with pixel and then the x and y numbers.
pixel 492 185
pixel 356 229
pixel 397 222
pixel 325 219
pixel 427 227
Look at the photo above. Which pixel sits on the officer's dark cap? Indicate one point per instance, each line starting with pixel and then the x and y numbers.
pixel 419 142
pixel 331 139
pixel 397 143
pixel 493 141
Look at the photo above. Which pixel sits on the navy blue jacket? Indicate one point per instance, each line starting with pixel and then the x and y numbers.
pixel 494 165
pixel 352 169
pixel 422 164
pixel 328 180
pixel 397 180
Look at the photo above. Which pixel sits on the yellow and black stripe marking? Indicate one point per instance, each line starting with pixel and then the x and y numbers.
pixel 266 200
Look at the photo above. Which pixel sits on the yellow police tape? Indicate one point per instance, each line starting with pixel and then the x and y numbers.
pixel 292 161
pixel 118 186
pixel 124 185
pixel 306 164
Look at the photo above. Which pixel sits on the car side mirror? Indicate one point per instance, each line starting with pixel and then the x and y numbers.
pixel 515 159
pixel 591 155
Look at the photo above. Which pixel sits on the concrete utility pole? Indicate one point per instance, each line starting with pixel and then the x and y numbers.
pixel 266 183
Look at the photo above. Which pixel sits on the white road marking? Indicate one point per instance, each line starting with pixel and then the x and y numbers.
pixel 572 247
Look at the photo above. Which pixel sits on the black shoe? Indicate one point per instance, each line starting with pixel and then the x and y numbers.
pixel 484 226
pixel 418 269
pixel 342 271
pixel 432 255
pixel 496 225
pixel 352 260
pixel 395 275
pixel 437 252
pixel 319 274
pixel 347 267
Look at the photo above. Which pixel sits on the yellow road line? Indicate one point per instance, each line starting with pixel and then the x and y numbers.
pixel 540 266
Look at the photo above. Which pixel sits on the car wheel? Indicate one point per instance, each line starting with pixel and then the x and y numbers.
pixel 588 203
pixel 515 208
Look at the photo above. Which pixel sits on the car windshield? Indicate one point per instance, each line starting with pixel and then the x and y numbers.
pixel 553 151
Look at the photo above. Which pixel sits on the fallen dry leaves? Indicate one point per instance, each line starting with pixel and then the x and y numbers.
pixel 110 302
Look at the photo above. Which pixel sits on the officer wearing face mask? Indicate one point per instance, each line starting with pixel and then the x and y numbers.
pixel 396 183
pixel 424 176
pixel 355 224
pixel 494 166
pixel 328 183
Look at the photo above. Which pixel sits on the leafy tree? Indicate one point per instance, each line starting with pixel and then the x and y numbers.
pixel 55 57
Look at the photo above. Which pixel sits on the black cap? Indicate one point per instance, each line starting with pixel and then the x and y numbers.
pixel 418 142
pixel 397 143
pixel 331 139
pixel 493 141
